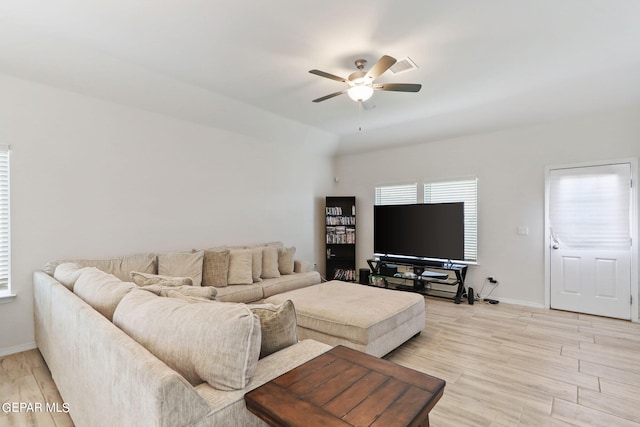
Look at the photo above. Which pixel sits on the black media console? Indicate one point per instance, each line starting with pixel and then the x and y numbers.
pixel 432 278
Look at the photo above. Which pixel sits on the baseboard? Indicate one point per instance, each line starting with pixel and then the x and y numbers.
pixel 520 302
pixel 18 348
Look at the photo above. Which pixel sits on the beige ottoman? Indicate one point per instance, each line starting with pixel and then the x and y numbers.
pixel 371 320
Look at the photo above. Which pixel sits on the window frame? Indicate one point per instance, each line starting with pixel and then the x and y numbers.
pixel 471 209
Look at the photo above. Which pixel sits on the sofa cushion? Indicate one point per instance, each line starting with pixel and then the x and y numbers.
pixel 289 282
pixel 300 266
pixel 240 272
pixel 181 335
pixel 215 267
pixel 204 292
pixel 278 326
pixel 285 259
pixel 101 290
pixel 240 293
pixel 67 274
pixel 170 293
pixel 119 267
pixel 146 279
pixel 256 263
pixel 270 262
pixel 182 264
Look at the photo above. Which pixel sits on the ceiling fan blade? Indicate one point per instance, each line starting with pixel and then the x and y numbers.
pixel 380 67
pixel 324 98
pixel 327 75
pixel 398 87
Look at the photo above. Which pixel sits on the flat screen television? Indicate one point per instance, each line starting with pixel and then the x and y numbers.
pixel 433 230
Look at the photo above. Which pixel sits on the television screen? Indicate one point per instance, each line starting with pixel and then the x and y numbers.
pixel 434 230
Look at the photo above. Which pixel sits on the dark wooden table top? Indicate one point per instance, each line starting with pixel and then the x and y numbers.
pixel 344 387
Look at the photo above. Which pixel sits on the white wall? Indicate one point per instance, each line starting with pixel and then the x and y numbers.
pixel 510 166
pixel 91 178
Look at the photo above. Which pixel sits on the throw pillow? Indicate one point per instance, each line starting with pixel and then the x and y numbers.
pixel 256 263
pixel 215 267
pixel 278 326
pixel 182 264
pixel 101 290
pixel 67 274
pixel 50 267
pixel 180 334
pixel 270 262
pixel 240 270
pixel 145 279
pixel 184 297
pixel 286 260
pixel 204 292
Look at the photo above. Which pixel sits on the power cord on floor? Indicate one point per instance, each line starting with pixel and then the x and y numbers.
pixel 487 300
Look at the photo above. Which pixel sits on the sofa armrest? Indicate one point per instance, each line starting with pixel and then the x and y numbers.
pixel 301 266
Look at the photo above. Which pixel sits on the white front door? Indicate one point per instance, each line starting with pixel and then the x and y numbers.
pixel 590 225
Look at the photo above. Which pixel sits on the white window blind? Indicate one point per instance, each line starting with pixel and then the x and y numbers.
pixel 397 194
pixel 5 262
pixel 590 207
pixel 459 191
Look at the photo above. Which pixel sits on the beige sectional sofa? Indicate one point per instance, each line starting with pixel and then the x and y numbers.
pixel 253 289
pixel 109 378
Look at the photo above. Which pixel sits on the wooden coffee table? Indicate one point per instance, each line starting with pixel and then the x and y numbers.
pixel 345 387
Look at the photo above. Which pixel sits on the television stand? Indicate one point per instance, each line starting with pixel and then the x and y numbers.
pixel 430 278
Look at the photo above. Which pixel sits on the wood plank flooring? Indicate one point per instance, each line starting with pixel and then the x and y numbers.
pixel 508 365
pixel 24 377
pixel 505 365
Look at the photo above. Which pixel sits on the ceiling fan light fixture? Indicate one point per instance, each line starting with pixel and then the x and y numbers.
pixel 361 84
pixel 360 93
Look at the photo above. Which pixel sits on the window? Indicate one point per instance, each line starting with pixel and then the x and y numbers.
pixel 441 192
pixel 459 191
pixel 589 207
pixel 4 222
pixel 397 194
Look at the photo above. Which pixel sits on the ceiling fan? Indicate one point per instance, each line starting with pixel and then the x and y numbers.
pixel 361 83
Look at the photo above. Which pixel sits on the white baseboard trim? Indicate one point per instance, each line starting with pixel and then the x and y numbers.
pixel 520 302
pixel 18 348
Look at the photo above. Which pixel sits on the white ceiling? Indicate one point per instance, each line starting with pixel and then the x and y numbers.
pixel 483 65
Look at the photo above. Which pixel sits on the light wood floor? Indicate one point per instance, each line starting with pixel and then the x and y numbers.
pixel 505 365
pixel 24 377
pixel 508 365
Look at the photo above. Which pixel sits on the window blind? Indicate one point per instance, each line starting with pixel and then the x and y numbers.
pixel 397 194
pixel 5 262
pixel 589 207
pixel 459 191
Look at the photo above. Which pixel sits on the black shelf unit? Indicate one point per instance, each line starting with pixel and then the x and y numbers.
pixel 446 274
pixel 340 238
